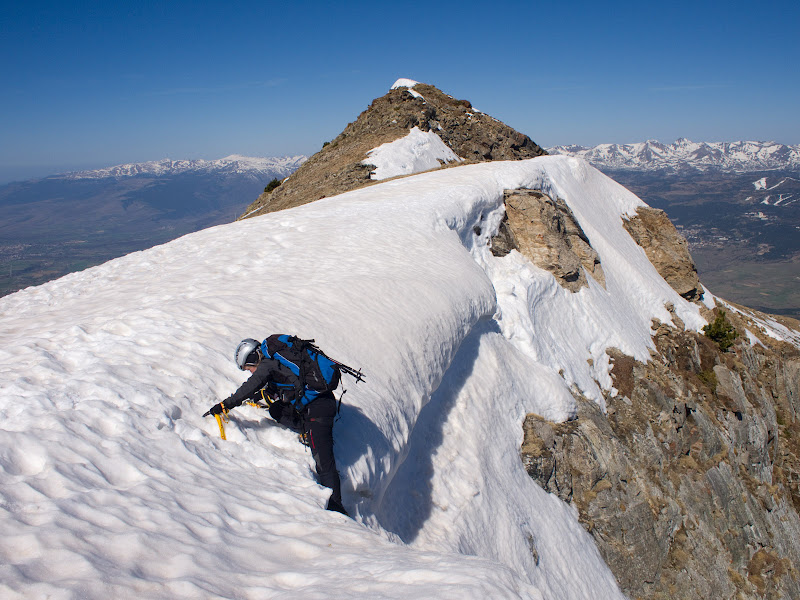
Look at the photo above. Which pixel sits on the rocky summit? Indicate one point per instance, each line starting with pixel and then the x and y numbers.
pixel 688 475
pixel 342 165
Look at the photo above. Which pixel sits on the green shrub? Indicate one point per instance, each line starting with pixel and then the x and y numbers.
pixel 721 331
pixel 709 378
pixel 271 186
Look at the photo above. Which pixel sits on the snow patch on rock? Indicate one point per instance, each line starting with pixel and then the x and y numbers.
pixel 418 151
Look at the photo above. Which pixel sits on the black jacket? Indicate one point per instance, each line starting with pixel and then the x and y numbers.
pixel 269 371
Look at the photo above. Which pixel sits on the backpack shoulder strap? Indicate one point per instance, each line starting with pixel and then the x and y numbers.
pixel 275 343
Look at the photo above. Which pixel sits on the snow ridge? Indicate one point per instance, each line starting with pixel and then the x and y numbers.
pixel 683 154
pixel 114 485
pixel 233 164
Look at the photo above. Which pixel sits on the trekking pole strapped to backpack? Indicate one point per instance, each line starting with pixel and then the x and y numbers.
pixel 358 375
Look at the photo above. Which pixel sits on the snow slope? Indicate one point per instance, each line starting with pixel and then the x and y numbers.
pixel 113 485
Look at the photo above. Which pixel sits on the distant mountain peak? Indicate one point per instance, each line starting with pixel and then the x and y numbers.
pixel 235 163
pixel 684 154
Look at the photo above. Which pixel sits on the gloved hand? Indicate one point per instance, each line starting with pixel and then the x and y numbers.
pixel 217 409
pixel 276 410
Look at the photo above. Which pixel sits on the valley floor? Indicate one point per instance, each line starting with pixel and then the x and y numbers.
pixel 771 286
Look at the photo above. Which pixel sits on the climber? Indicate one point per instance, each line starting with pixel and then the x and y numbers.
pixel 292 401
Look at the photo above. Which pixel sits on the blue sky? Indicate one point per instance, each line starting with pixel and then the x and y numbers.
pixel 89 84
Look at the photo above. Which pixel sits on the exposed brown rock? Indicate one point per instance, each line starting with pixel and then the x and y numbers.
pixel 545 231
pixel 667 250
pixel 690 483
pixel 338 168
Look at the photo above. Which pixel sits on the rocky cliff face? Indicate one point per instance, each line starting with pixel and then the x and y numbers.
pixel 338 167
pixel 689 481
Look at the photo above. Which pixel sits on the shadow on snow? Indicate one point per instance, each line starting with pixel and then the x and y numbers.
pixel 408 501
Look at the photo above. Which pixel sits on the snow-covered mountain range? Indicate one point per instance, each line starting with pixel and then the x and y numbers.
pixel 684 154
pixel 51 226
pixel 233 164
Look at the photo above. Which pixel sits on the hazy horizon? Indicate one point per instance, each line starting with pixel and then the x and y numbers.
pixel 93 86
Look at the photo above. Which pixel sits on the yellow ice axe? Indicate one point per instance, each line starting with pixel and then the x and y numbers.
pixel 221 426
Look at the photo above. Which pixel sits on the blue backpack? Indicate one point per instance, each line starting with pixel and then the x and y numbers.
pixel 315 372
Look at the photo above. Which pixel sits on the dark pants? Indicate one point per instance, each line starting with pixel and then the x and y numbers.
pixel 319 418
pixel 317 423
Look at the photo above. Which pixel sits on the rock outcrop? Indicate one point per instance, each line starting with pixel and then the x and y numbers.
pixel 690 482
pixel 667 250
pixel 545 231
pixel 338 167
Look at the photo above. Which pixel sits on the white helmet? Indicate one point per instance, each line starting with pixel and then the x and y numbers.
pixel 247 353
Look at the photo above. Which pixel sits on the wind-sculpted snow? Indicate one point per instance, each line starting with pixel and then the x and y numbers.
pixel 113 485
